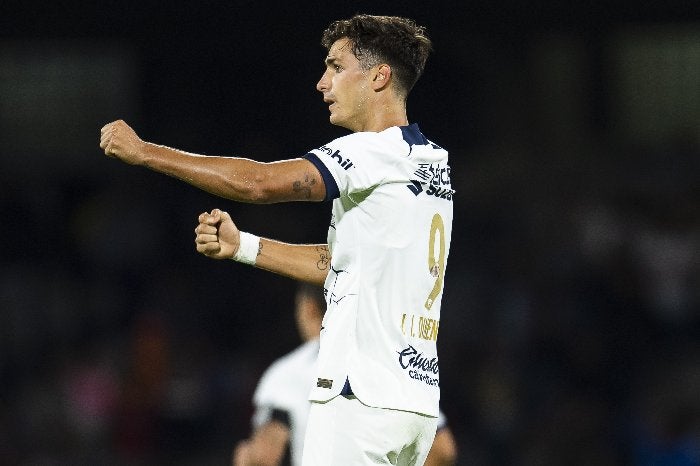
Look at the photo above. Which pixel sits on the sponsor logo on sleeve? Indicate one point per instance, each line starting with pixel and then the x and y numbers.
pixel 344 162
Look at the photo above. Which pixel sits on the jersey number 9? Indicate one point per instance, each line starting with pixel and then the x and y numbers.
pixel 436 266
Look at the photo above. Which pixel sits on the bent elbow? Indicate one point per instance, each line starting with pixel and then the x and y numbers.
pixel 251 188
pixel 259 194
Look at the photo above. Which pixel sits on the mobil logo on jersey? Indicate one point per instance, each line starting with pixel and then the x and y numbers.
pixel 419 367
pixel 345 163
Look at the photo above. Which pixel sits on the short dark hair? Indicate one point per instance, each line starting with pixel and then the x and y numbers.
pixel 399 42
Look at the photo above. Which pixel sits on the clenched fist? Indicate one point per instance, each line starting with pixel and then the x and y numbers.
pixel 118 140
pixel 217 235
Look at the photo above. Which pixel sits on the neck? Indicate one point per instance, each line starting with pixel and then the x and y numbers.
pixel 380 121
pixel 385 111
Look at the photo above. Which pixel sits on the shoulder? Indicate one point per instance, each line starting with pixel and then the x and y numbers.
pixel 304 353
pixel 300 355
pixel 286 375
pixel 291 362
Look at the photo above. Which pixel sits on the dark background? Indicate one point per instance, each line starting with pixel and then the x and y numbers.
pixel 570 323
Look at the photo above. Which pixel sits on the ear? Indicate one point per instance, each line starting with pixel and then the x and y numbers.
pixel 382 77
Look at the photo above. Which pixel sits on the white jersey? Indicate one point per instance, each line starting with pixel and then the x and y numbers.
pixel 282 394
pixel 442 421
pixel 389 239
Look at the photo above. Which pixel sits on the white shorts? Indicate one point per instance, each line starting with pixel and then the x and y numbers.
pixel 345 432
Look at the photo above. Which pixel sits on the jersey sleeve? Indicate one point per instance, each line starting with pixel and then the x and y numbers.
pixel 328 179
pixel 265 414
pixel 355 163
pixel 269 400
pixel 442 420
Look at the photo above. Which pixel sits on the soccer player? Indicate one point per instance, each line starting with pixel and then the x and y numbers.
pixel 281 398
pixel 376 396
pixel 282 403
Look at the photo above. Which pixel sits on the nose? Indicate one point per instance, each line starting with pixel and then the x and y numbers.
pixel 323 83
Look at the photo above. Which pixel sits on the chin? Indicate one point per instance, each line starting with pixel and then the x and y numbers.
pixel 335 120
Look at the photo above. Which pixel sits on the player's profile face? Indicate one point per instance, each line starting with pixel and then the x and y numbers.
pixel 345 87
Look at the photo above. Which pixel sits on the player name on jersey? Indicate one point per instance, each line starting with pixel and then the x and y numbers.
pixel 420 327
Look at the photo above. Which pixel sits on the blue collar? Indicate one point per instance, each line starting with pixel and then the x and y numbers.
pixel 412 135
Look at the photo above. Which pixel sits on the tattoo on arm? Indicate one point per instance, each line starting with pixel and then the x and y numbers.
pixel 304 186
pixel 324 257
pixel 260 248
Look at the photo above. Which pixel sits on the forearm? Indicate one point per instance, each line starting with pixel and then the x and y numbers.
pixel 444 449
pixel 304 262
pixel 233 178
pixel 266 447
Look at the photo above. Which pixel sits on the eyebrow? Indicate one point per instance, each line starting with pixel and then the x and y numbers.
pixel 330 60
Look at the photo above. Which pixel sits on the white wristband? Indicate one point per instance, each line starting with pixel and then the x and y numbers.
pixel 247 249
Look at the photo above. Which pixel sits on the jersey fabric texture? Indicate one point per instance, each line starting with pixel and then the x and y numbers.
pixel 283 390
pixel 389 239
pixel 344 432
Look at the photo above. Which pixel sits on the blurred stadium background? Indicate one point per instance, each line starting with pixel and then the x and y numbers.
pixel 571 327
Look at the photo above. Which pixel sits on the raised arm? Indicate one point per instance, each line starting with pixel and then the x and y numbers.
pixel 235 178
pixel 219 238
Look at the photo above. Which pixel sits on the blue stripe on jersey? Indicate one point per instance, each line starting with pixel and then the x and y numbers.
pixel 412 135
pixel 332 191
pixel 282 416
